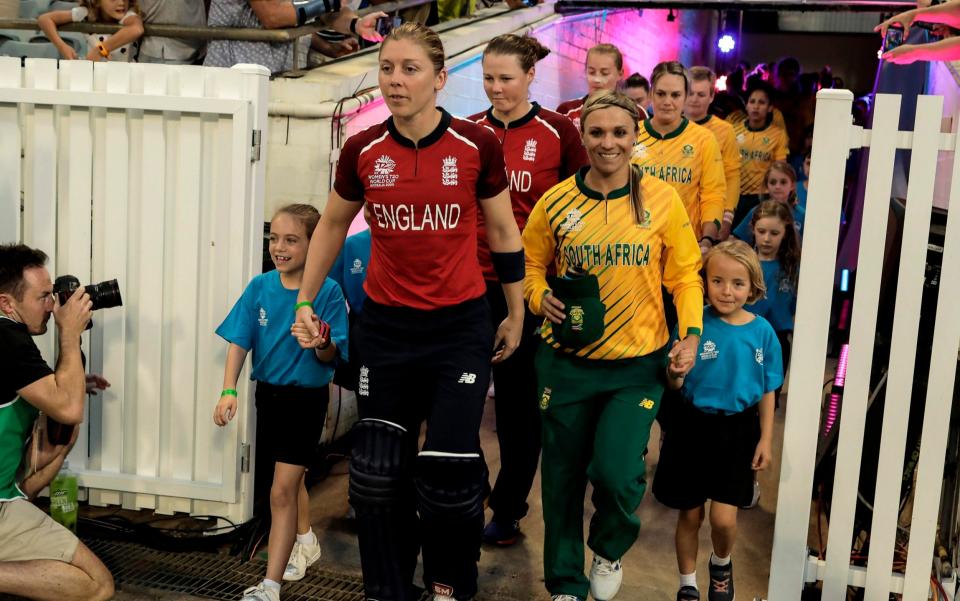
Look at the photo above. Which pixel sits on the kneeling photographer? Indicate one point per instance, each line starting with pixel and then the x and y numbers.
pixel 40 559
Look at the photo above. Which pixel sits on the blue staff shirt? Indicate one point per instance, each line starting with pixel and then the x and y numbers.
pixel 350 269
pixel 781 303
pixel 260 322
pixel 736 365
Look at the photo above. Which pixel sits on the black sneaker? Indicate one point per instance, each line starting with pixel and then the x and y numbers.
pixel 688 593
pixel 721 582
pixel 503 534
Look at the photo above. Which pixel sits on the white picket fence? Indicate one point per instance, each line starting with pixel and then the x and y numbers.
pixel 149 174
pixel 834 137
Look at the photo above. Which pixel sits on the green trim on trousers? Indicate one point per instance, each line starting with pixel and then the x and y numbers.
pixel 596 423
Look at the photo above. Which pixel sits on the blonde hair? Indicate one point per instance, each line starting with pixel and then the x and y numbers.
pixel 95 13
pixel 610 50
pixel 307 215
pixel 603 100
pixel 740 252
pixel 703 74
pixel 425 37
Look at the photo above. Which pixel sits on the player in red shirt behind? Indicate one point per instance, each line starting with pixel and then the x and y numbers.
pixel 425 336
pixel 604 71
pixel 541 148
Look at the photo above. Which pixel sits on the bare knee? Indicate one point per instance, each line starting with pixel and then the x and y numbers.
pixel 284 496
pixel 723 521
pixel 104 590
pixel 100 579
pixel 690 519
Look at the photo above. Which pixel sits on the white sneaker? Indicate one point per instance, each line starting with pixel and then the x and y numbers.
pixel 301 557
pixel 564 598
pixel 605 578
pixel 260 593
pixel 443 598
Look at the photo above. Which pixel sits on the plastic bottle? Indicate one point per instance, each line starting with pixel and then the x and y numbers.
pixel 63 499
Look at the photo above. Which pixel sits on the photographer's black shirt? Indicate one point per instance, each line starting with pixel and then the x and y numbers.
pixel 20 365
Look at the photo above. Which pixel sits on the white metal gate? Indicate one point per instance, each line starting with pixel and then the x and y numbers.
pixel 149 174
pixel 834 137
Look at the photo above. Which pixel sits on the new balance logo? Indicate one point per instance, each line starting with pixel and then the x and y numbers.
pixel 467 378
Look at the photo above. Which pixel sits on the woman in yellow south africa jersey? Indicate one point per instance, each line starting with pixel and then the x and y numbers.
pixel 683 154
pixel 616 236
pixel 761 143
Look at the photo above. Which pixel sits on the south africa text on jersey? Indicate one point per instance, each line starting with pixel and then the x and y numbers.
pixel 416 217
pixel 603 255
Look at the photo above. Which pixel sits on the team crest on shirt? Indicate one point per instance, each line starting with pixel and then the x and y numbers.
pixel 687 150
pixel 384 173
pixel 639 150
pixel 648 404
pixel 545 398
pixel 647 222
pixel 709 351
pixel 573 222
pixel 758 355
pixel 530 150
pixel 741 138
pixel 449 172
pixel 262 320
pixel 765 140
pixel 357 267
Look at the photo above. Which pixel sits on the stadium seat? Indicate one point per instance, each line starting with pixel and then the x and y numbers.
pixel 75 39
pixel 31 9
pixel 27 50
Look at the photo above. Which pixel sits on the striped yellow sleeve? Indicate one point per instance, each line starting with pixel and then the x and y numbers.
pixel 731 168
pixel 539 246
pixel 780 154
pixel 713 182
pixel 681 270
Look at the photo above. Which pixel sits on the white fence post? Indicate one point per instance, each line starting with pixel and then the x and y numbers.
pixel 10 184
pixel 831 143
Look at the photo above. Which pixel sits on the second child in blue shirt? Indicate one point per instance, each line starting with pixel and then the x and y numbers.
pixel 350 271
pixel 722 433
pixel 292 393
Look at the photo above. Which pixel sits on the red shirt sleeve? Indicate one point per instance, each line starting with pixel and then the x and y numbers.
pixel 573 154
pixel 493 170
pixel 348 183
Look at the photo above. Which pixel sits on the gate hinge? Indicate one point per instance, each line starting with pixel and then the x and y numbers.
pixel 245 458
pixel 255 145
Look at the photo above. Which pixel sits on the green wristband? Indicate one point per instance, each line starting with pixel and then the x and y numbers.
pixel 228 391
pixel 297 306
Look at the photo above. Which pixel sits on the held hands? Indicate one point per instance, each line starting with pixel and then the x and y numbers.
pixel 508 338
pixel 306 338
pixel 763 455
pixel 226 409
pixel 682 360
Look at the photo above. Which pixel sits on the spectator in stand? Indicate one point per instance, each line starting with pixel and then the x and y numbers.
pixel 121 46
pixel 455 9
pixel 173 51
pixel 637 87
pixel 277 14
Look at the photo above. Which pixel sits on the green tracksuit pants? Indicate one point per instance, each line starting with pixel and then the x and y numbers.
pixel 596 423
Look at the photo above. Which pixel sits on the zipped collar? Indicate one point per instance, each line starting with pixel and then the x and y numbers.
pixel 591 193
pixel 530 116
pixel 746 123
pixel 432 137
pixel 648 124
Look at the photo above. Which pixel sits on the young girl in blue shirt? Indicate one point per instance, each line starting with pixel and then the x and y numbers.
pixel 778 246
pixel 723 429
pixel 292 392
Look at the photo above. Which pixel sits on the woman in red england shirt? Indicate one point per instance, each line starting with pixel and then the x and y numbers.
pixel 604 72
pixel 424 336
pixel 541 148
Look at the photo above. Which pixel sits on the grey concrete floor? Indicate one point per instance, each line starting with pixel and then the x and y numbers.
pixel 650 572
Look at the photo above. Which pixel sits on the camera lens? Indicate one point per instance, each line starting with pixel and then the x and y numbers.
pixel 105 295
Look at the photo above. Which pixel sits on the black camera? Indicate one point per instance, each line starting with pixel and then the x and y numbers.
pixel 103 295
